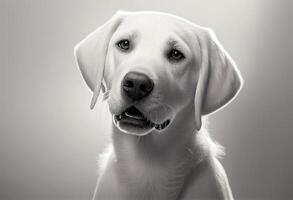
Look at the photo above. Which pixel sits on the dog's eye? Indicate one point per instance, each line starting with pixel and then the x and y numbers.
pixel 123 44
pixel 175 55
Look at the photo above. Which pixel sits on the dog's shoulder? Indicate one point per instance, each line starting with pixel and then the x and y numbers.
pixel 207 180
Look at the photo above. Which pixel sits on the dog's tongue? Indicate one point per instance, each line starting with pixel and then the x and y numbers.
pixel 133 113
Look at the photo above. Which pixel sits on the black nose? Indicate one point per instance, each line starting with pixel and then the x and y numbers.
pixel 137 85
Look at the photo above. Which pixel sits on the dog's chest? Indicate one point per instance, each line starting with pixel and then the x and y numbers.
pixel 149 180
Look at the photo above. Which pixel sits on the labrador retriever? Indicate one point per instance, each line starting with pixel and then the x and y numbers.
pixel 160 74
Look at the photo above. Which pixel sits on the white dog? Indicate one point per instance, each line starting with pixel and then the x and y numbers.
pixel 160 74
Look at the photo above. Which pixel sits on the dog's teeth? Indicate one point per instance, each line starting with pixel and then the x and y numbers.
pixel 160 127
pixel 166 123
pixel 163 125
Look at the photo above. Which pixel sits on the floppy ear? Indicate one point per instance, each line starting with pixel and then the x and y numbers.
pixel 219 79
pixel 91 52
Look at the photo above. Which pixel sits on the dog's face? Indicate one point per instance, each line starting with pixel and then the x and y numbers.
pixel 152 56
pixel 152 65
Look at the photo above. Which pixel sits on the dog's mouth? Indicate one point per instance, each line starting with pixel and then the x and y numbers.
pixel 134 122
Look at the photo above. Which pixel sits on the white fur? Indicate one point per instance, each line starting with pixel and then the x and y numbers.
pixel 181 161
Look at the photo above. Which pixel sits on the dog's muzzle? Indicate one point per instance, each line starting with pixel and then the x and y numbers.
pixel 135 87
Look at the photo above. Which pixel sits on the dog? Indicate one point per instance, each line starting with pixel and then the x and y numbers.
pixel 160 75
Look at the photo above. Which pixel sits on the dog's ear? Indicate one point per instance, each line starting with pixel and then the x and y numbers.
pixel 219 79
pixel 91 52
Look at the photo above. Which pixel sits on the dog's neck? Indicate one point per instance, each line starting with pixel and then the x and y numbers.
pixel 157 164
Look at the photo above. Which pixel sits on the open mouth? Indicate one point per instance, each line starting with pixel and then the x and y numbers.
pixel 133 119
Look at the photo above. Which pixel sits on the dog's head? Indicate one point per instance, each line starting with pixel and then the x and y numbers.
pixel 151 65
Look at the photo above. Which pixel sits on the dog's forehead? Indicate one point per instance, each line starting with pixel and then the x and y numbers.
pixel 153 22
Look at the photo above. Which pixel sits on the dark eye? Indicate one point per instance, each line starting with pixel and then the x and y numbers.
pixel 123 44
pixel 175 55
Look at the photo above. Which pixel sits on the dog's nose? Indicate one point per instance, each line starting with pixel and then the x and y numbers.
pixel 137 85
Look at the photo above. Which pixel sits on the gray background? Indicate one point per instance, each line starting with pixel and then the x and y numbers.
pixel 49 139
